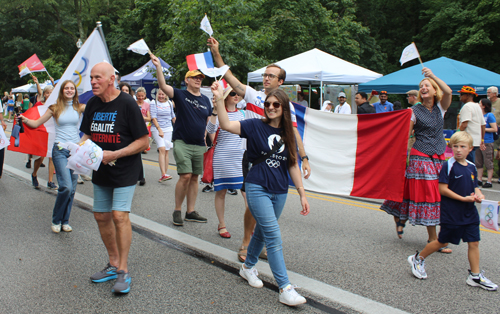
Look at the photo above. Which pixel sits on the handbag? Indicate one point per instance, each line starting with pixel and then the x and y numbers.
pixel 208 162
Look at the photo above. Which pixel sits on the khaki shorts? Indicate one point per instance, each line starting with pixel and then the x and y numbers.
pixel 485 157
pixel 189 158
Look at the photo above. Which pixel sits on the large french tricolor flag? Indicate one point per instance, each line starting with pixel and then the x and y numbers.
pixel 357 155
pixel 40 141
pixel 200 61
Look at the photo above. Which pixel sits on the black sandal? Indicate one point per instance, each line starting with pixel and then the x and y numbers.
pixel 400 233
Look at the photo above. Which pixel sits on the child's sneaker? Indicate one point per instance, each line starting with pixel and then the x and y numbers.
pixel 417 266
pixel 251 276
pixel 290 297
pixel 481 281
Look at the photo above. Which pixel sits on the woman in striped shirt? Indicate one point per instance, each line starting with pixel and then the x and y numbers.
pixel 227 158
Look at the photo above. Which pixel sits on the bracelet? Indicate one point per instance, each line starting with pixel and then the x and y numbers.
pixel 221 98
pixel 214 114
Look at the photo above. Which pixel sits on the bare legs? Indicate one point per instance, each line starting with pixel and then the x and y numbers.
pixel 116 234
pixel 186 187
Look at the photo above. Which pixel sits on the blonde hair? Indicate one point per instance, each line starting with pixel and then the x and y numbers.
pixel 141 90
pixel 461 137
pixel 439 92
pixel 60 104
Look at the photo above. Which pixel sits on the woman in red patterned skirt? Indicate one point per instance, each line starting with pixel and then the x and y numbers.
pixel 421 199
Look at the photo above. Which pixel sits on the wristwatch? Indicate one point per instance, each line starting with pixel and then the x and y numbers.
pixel 305 157
pixel 214 114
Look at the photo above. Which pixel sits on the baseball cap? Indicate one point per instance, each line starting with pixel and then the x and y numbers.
pixel 194 73
pixel 342 94
pixel 412 92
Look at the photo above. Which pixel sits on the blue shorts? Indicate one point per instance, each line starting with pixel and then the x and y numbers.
pixel 453 233
pixel 107 199
pixel 10 109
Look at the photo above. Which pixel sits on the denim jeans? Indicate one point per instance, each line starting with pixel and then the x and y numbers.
pixel 67 186
pixel 266 208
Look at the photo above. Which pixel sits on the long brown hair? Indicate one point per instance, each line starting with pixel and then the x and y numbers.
pixel 286 124
pixel 60 104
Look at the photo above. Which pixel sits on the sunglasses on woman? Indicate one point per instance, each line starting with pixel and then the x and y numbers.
pixel 276 104
pixel 232 94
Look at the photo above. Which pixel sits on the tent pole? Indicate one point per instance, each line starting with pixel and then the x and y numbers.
pixel 321 94
pixel 310 95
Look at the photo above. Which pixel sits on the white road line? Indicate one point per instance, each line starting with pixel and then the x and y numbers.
pixel 334 294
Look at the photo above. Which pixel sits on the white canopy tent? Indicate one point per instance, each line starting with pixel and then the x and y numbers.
pixel 318 67
pixel 30 88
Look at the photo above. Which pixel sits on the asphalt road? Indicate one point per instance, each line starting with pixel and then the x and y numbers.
pixel 344 245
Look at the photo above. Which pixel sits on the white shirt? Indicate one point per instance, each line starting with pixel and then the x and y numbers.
pixel 344 109
pixel 473 113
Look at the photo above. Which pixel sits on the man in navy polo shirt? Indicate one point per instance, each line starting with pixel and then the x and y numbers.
pixel 193 112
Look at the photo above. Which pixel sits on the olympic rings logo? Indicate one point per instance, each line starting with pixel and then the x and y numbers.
pixel 489 215
pixel 92 159
pixel 272 163
pixel 2 141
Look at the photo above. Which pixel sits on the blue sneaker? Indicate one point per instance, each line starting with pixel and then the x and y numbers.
pixel 108 273
pixel 122 284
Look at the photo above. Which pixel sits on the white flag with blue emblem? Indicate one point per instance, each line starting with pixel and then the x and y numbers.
pixel 489 214
pixel 409 53
pixel 205 26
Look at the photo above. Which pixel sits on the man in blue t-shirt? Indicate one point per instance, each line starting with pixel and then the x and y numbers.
pixel 193 112
pixel 383 105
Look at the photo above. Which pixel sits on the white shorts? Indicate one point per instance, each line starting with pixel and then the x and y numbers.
pixel 165 141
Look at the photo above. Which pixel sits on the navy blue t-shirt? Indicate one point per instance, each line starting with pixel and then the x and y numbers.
pixel 192 113
pixel 272 173
pixel 461 180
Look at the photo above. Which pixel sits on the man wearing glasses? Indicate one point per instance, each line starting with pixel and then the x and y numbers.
pixel 193 112
pixel 272 78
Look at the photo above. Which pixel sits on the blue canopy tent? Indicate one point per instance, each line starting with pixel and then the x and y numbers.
pixel 454 73
pixel 144 77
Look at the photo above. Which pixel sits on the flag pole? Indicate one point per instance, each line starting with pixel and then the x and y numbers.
pixel 418 54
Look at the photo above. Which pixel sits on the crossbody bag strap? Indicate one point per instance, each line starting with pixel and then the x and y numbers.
pixel 275 148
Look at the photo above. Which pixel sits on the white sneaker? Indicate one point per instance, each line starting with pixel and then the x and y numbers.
pixel 85 178
pixel 290 297
pixel 251 276
pixel 66 228
pixel 481 281
pixel 56 228
pixel 79 180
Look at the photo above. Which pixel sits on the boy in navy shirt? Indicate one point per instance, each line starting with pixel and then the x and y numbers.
pixel 459 217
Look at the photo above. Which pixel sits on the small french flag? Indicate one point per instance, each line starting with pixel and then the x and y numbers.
pixel 224 84
pixel 200 61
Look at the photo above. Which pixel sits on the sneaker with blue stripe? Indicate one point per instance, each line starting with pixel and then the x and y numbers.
pixel 122 284
pixel 108 273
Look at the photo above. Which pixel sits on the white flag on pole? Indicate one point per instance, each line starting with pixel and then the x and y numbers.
pixel 489 214
pixel 139 47
pixel 409 53
pixel 206 27
pixel 92 52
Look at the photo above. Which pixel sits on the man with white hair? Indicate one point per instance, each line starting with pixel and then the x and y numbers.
pixel 113 121
pixel 492 93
